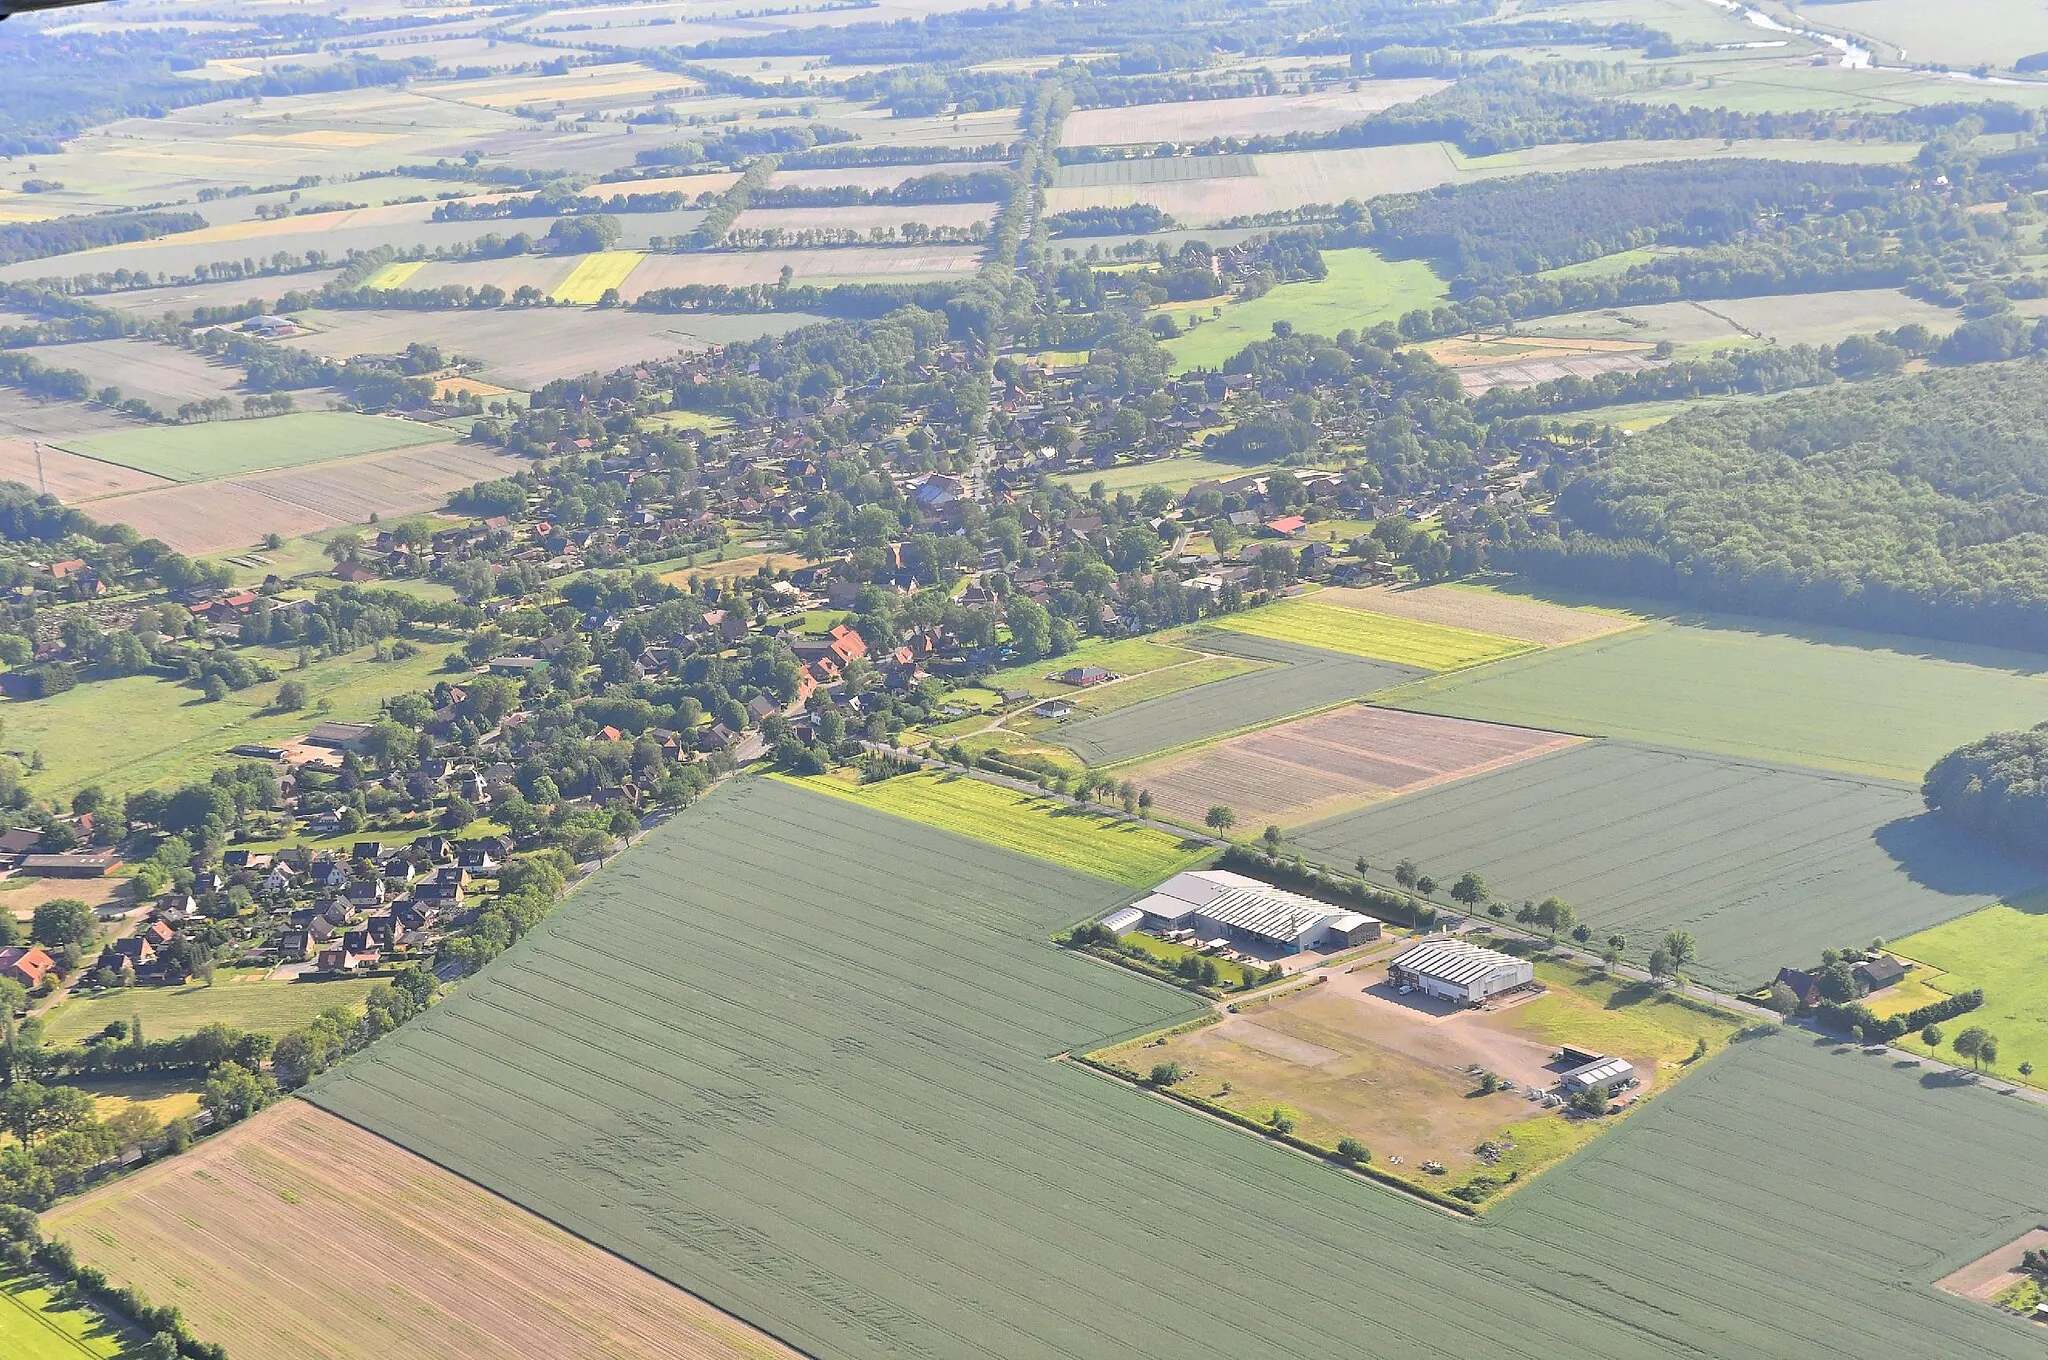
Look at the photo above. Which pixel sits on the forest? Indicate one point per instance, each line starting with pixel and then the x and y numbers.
pixel 1996 789
pixel 1915 504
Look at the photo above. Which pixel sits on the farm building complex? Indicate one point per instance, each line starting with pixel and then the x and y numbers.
pixel 1218 904
pixel 1453 970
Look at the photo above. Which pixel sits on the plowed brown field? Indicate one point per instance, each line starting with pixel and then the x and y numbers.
pixel 1549 625
pixel 1312 767
pixel 238 511
pixel 298 1234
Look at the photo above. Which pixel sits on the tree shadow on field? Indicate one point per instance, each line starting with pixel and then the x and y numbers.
pixel 1634 993
pixel 1938 857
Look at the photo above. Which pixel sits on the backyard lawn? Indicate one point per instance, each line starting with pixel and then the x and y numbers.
pixel 243 998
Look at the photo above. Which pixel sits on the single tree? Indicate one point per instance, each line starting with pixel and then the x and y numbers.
pixel 1970 1043
pixel 1556 914
pixel 1352 1152
pixel 1220 819
pixel 1406 872
pixel 1682 948
pixel 1660 962
pixel 1470 889
pixel 1931 1036
pixel 1425 885
pixel 1271 836
pixel 1360 865
pixel 1167 1074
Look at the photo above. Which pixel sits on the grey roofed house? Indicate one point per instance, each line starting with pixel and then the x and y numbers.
pixel 1881 972
pixel 338 736
pixel 20 841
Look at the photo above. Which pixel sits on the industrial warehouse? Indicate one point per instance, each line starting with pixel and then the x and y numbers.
pixel 1454 970
pixel 1216 905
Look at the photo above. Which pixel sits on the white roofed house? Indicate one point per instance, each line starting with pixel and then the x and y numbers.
pixel 1457 970
pixel 1218 904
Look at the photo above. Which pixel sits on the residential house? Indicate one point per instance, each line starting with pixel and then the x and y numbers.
pixel 1804 985
pixel 27 965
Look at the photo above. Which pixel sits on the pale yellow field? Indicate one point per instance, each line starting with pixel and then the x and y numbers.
pixel 595 274
pixel 395 275
pixel 624 80
pixel 1547 625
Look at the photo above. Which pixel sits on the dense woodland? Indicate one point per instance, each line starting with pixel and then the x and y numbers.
pixel 1997 790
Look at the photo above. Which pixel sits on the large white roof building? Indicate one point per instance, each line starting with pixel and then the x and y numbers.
pixel 1220 904
pixel 1457 970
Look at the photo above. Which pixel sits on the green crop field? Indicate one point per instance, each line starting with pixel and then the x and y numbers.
pixel 1765 865
pixel 2004 950
pixel 143 730
pixel 1041 827
pixel 792 1055
pixel 243 998
pixel 1378 637
pixel 1298 680
pixel 37 1323
pixel 1829 698
pixel 231 448
pixel 1361 290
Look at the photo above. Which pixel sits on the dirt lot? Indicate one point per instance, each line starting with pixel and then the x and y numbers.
pixel 298 1234
pixel 236 512
pixel 1549 625
pixel 21 895
pixel 1314 767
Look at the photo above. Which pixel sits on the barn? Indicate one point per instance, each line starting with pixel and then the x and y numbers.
pixel 1457 970
pixel 1219 905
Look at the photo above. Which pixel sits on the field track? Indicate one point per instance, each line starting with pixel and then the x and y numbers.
pixel 414 1263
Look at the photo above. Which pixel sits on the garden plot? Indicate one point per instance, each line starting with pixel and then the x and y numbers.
pixel 1298 680
pixel 1482 611
pixel 1196 120
pixel 419 1264
pixel 791 1054
pixel 1313 767
pixel 1765 865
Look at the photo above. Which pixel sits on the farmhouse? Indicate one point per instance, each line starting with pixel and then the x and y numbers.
pixel 1455 970
pixel 72 864
pixel 1880 972
pixel 27 965
pixel 1054 708
pixel 1083 676
pixel 1215 903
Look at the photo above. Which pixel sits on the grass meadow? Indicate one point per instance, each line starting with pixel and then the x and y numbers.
pixel 40 1322
pixel 1378 637
pixel 819 1037
pixel 138 731
pixel 1361 290
pixel 1765 865
pixel 1830 699
pixel 1041 827
pixel 198 453
pixel 2004 950
pixel 242 997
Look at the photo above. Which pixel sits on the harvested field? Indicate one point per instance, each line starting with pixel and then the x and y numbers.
pixel 521 352
pixel 1381 637
pixel 1314 767
pixel 872 176
pixel 866 217
pixel 1292 179
pixel 1763 864
pixel 165 376
pixel 194 453
pixel 1154 170
pixel 26 417
pixel 848 264
pixel 68 477
pixel 216 516
pixel 184 299
pixel 1042 827
pixel 1543 367
pixel 1508 616
pixel 582 86
pixel 1301 679
pixel 1831 698
pixel 825 1105
pixel 418 1264
pixel 1252 116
